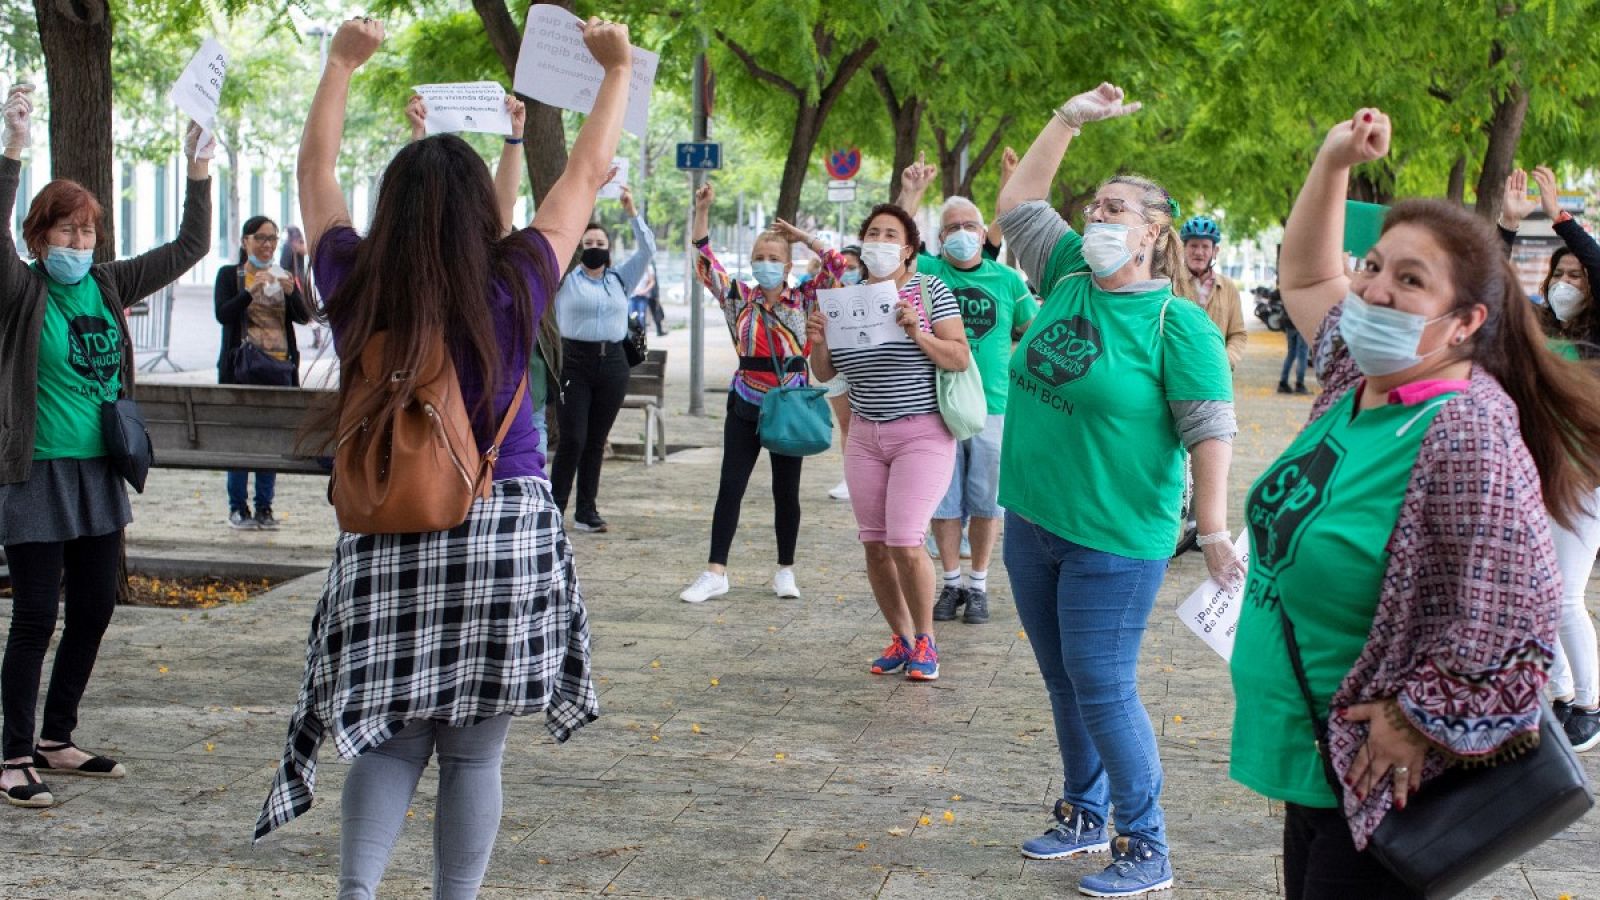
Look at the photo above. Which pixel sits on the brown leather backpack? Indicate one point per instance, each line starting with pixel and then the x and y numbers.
pixel 423 471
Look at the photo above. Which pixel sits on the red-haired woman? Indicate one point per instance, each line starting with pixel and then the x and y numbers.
pixel 1403 535
pixel 64 348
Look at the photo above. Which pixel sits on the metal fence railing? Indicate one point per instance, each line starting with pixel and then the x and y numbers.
pixel 150 328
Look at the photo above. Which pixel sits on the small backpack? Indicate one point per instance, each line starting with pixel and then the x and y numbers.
pixel 422 471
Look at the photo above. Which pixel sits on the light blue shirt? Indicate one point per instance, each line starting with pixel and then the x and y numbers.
pixel 596 309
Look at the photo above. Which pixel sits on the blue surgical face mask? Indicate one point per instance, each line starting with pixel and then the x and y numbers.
pixel 1382 340
pixel 260 263
pixel 66 265
pixel 961 246
pixel 1105 247
pixel 850 277
pixel 767 273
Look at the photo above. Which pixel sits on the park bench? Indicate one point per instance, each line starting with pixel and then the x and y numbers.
pixel 647 390
pixel 227 426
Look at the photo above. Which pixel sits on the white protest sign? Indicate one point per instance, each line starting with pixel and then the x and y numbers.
pixel 465 106
pixel 612 190
pixel 555 68
pixel 1212 611
pixel 861 315
pixel 198 91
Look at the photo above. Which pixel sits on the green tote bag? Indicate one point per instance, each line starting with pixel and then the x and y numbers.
pixel 962 403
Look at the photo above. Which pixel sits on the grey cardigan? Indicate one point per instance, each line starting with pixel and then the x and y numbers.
pixel 22 303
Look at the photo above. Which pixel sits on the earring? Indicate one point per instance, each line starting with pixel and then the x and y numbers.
pixel 1141 257
pixel 1459 338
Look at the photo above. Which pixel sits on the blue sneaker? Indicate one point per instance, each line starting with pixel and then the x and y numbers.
pixel 1136 868
pixel 897 654
pixel 924 662
pixel 1074 834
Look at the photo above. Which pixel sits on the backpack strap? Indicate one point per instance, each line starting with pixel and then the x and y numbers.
pixel 492 455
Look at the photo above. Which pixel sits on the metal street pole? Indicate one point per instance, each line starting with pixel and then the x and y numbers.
pixel 697 335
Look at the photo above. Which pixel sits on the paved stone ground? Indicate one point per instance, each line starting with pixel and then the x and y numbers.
pixel 744 751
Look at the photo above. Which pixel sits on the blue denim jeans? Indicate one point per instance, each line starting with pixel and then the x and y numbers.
pixel 1085 613
pixel 239 488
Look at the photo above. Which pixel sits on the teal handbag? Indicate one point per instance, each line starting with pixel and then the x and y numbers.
pixel 795 421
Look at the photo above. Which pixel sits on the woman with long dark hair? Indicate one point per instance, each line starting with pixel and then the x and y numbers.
pixel 428 643
pixel 258 304
pixel 1571 324
pixel 64 350
pixel 295 258
pixel 1402 558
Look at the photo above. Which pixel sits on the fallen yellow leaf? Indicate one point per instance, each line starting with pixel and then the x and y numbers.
pixel 862 845
pixel 897 832
pixel 655 663
pixel 655 738
pixel 956 797
pixel 695 728
pixel 716 681
pixel 1177 718
pixel 778 756
pixel 161 669
pixel 210 746
pixel 924 821
pixel 949 816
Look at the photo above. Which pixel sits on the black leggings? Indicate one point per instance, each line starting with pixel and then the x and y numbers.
pixel 741 444
pixel 1320 860
pixel 594 382
pixel 90 566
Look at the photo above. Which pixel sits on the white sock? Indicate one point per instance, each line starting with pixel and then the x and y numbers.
pixel 952 579
pixel 979 581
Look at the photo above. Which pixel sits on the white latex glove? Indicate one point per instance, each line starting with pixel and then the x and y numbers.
pixel 18 115
pixel 200 144
pixel 1223 562
pixel 1104 102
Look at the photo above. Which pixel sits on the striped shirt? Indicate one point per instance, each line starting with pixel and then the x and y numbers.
pixel 895 380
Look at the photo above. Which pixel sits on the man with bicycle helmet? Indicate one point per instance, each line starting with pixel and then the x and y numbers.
pixel 1216 294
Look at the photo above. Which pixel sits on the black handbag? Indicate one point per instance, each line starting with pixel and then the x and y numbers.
pixel 252 365
pixel 1469 821
pixel 128 446
pixel 634 346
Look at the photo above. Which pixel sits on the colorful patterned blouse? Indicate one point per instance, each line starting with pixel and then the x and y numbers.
pixel 753 332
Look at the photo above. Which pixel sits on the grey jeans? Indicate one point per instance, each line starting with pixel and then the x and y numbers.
pixel 378 792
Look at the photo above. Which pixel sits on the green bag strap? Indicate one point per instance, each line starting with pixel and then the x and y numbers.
pixel 772 345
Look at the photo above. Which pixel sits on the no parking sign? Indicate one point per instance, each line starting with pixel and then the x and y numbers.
pixel 842 165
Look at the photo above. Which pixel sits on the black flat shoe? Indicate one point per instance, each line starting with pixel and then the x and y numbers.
pixel 94 767
pixel 34 794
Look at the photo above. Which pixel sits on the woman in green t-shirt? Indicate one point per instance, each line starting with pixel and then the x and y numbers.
pixel 1403 536
pixel 65 350
pixel 1110 385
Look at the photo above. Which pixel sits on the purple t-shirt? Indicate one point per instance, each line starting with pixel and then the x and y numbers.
pixel 519 454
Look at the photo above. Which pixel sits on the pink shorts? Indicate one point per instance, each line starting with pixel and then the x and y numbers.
pixel 898 472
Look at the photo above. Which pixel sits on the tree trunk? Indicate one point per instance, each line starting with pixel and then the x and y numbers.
pixel 75 36
pixel 235 224
pixel 1456 190
pixel 545 144
pixel 807 127
pixel 1505 131
pixel 906 118
pixel 950 157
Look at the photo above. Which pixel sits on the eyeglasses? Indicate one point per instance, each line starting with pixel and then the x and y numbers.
pixel 264 238
pixel 1110 208
pixel 954 227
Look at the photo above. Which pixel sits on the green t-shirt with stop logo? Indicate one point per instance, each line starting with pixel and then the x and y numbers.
pixel 1091 450
pixel 994 300
pixel 79 348
pixel 1320 519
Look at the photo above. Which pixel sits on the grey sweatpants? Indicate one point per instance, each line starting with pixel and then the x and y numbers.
pixel 378 792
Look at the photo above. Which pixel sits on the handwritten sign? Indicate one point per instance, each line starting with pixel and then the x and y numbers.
pixel 612 190
pixel 861 315
pixel 465 106
pixel 555 68
pixel 1212 611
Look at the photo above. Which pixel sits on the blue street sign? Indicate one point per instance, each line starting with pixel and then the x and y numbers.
pixel 704 155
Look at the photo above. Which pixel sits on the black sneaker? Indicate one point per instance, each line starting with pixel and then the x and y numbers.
pixel 1562 709
pixel 950 599
pixel 1301 388
pixel 1583 728
pixel 1283 388
pixel 265 520
pixel 977 607
pixel 241 520
pixel 590 522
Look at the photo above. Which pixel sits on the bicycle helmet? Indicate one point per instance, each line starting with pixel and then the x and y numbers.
pixel 1201 227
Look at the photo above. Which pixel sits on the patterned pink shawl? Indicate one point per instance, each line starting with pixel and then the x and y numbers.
pixel 1466 622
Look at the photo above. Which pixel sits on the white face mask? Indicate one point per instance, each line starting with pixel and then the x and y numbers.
pixel 1105 247
pixel 1383 340
pixel 1565 300
pixel 881 259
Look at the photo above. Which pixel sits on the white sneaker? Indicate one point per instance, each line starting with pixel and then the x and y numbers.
pixel 841 491
pixel 783 584
pixel 708 585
